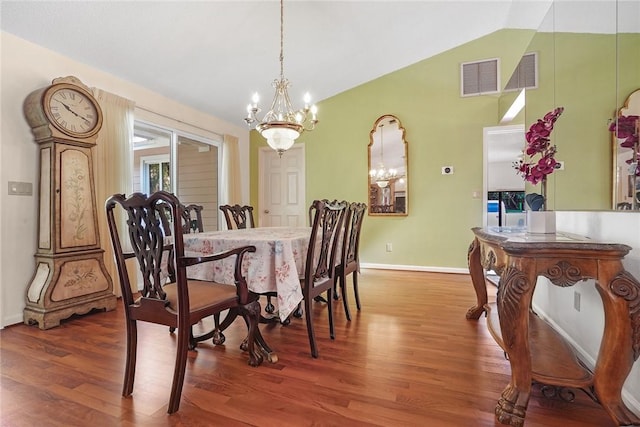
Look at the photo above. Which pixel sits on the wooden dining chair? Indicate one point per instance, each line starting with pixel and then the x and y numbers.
pixel 319 275
pixel 172 299
pixel 349 260
pixel 238 217
pixel 191 216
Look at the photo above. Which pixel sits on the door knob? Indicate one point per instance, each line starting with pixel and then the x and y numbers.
pixel 266 211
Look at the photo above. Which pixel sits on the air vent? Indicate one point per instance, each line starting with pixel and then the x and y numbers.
pixel 525 75
pixel 480 77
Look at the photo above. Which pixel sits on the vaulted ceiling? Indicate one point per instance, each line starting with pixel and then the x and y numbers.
pixel 212 55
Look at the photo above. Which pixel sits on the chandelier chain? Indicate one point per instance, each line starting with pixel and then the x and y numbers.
pixel 281 39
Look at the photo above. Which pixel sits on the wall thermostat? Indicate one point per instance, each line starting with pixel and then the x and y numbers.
pixel 447 170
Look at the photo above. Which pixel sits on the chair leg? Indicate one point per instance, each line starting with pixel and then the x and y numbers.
pixel 298 311
pixel 218 336
pixel 342 279
pixel 184 335
pixel 192 340
pixel 130 365
pixel 310 332
pixel 355 289
pixel 319 298
pixel 330 308
pixel 269 308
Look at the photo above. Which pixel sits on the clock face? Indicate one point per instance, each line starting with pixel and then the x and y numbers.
pixel 72 111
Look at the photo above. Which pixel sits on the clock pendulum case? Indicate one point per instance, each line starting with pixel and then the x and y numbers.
pixel 70 276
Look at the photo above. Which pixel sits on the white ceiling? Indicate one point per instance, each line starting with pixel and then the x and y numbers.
pixel 212 55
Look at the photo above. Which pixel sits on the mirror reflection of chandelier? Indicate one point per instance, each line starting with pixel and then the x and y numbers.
pixel 382 176
pixel 281 125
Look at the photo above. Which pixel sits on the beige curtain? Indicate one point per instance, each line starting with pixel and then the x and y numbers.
pixel 112 164
pixel 231 191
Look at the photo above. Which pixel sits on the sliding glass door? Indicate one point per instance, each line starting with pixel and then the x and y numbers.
pixel 180 163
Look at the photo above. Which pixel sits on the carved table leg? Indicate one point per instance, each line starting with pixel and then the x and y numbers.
pixel 477 278
pixel 620 293
pixel 260 347
pixel 251 315
pixel 514 298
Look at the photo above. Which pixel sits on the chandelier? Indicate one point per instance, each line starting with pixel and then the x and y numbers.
pixel 281 125
pixel 382 176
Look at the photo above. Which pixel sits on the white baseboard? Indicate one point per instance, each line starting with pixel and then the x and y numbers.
pixel 414 268
pixel 13 320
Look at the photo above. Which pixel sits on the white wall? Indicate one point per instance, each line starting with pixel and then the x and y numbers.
pixel 24 68
pixel 504 177
pixel 584 328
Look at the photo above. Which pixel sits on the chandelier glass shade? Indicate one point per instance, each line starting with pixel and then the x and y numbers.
pixel 282 125
pixel 383 176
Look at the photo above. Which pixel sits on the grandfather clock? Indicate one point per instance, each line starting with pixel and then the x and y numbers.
pixel 70 276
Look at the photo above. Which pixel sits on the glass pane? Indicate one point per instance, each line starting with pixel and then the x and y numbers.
pixel 197 178
pixel 166 177
pixel 154 181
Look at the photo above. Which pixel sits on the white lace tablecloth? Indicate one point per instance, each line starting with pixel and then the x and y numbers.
pixel 276 266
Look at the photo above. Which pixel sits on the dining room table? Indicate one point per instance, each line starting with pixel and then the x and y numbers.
pixel 275 267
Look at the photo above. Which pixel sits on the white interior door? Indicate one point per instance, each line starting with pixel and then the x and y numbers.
pixel 281 187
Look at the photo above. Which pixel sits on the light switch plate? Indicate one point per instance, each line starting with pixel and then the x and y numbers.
pixel 20 188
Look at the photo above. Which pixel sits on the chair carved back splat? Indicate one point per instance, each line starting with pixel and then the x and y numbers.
pixel 237 216
pixel 145 235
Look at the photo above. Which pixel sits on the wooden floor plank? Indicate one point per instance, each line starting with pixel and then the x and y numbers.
pixel 409 358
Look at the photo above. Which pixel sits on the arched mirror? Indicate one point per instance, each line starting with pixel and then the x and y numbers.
pixel 388 172
pixel 626 155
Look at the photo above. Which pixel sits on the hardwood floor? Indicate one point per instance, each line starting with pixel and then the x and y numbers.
pixel 409 358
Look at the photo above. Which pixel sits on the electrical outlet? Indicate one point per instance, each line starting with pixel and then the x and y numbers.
pixel 576 300
pixel 389 247
pixel 447 170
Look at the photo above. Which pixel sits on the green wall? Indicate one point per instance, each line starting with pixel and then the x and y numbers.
pixel 579 73
pixel 442 128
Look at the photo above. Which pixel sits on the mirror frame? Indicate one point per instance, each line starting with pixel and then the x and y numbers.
pixel 631 107
pixel 387 118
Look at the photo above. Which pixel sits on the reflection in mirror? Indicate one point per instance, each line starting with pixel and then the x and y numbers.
pixel 503 188
pixel 577 58
pixel 626 155
pixel 387 168
pixel 628 99
pixel 588 63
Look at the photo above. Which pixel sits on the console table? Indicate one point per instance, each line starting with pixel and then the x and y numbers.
pixel 535 351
